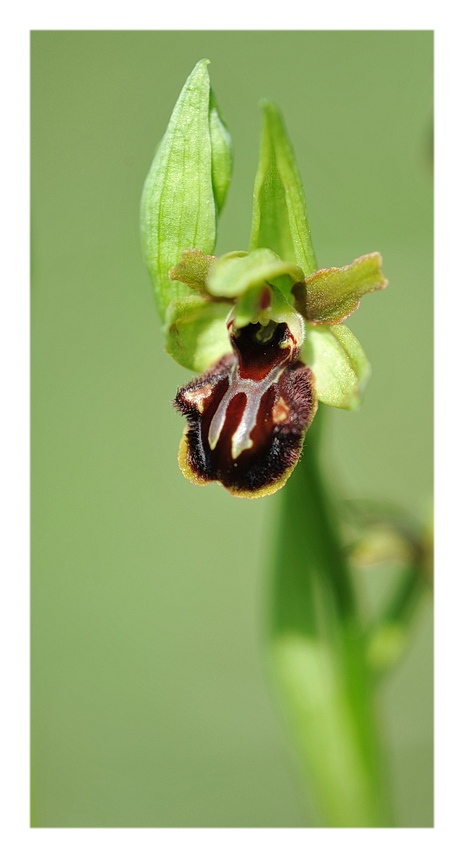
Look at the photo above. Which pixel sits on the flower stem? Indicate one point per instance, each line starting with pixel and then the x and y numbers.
pixel 389 635
pixel 318 656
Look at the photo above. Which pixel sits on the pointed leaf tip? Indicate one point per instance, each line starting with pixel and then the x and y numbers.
pixel 186 185
pixel 279 218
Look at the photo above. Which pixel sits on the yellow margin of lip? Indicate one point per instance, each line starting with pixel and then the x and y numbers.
pixel 182 458
pixel 239 493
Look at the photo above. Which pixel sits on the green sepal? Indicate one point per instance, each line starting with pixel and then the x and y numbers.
pixel 196 332
pixel 330 295
pixel 279 218
pixel 186 186
pixel 340 366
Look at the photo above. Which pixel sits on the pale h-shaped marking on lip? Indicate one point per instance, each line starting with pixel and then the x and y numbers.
pixel 254 392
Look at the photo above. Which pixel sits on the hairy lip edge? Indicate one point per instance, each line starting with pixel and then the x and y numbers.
pixel 248 414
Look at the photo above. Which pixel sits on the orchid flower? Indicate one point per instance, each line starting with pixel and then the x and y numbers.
pixel 263 328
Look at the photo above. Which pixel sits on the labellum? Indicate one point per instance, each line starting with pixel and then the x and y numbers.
pixel 248 414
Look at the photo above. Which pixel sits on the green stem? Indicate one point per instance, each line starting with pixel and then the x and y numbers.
pixel 318 656
pixel 389 635
pixel 389 632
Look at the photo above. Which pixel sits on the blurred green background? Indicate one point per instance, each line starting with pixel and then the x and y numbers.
pixel 150 705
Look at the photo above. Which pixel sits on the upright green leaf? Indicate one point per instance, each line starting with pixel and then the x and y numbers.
pixel 221 150
pixel 279 210
pixel 186 185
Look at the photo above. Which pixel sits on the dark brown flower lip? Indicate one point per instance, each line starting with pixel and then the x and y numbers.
pixel 262 350
pixel 248 414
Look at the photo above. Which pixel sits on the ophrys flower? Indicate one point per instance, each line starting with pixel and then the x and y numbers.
pixel 263 328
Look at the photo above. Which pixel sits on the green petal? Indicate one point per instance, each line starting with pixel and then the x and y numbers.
pixel 196 333
pixel 279 209
pixel 330 295
pixel 192 269
pixel 185 187
pixel 231 275
pixel 339 364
